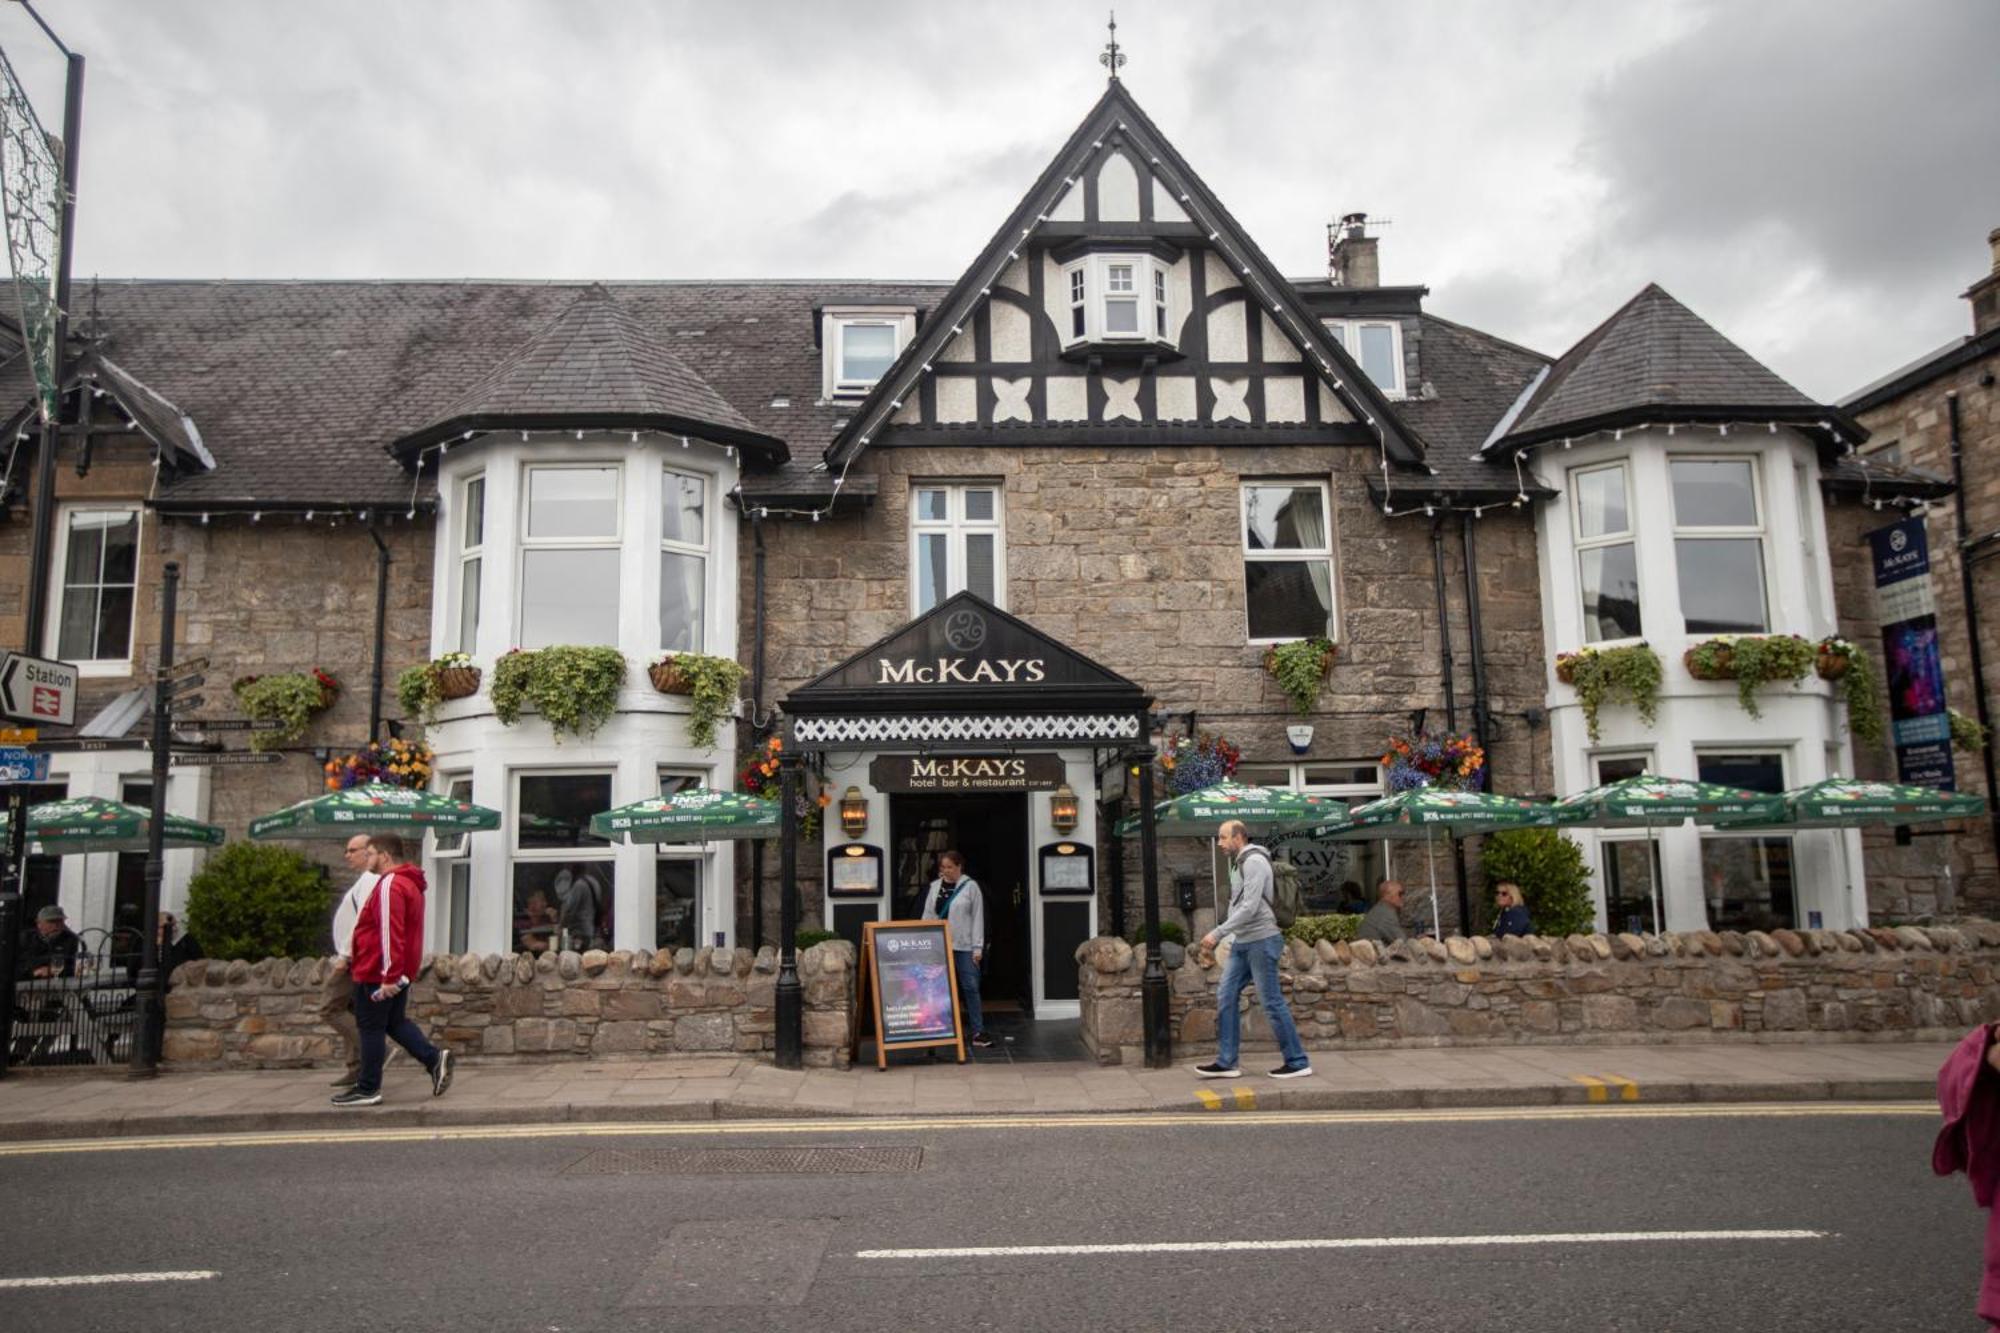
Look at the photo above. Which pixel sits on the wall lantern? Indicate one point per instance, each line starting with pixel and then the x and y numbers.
pixel 1062 808
pixel 854 812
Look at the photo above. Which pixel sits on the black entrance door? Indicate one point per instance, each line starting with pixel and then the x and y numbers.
pixel 991 829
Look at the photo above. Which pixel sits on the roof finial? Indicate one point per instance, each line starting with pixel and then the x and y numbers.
pixel 1112 57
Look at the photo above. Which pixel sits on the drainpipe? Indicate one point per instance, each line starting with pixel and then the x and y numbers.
pixel 1971 603
pixel 381 629
pixel 756 711
pixel 1450 701
pixel 1481 712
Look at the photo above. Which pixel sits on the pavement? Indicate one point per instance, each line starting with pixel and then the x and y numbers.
pixel 726 1087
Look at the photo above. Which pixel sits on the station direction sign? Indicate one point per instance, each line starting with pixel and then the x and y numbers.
pixel 38 689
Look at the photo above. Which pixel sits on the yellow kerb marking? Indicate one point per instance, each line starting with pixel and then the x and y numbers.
pixel 1246 1099
pixel 1598 1092
pixel 1627 1089
pixel 1209 1097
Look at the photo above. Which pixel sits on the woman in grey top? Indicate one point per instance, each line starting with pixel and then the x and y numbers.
pixel 955 897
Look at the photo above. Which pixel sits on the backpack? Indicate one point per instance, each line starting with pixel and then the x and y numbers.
pixel 1286 899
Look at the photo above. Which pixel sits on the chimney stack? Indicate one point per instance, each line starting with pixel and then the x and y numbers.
pixel 1985 294
pixel 1350 253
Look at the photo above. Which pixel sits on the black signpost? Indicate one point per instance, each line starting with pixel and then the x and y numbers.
pixel 909 988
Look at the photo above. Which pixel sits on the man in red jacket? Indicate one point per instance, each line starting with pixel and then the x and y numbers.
pixel 388 951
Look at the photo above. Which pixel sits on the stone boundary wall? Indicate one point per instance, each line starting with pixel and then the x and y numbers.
pixel 1817 984
pixel 239 1015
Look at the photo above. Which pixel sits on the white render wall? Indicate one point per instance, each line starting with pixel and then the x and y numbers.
pixel 1807 725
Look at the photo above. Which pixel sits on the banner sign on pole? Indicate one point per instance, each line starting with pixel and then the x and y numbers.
pixel 1920 723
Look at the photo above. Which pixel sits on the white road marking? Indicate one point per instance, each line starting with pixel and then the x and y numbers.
pixel 106 1279
pixel 1334 1243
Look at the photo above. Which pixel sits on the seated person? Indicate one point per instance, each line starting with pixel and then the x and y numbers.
pixel 1513 918
pixel 535 923
pixel 50 949
pixel 1384 922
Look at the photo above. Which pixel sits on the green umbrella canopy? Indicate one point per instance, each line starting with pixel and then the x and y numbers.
pixel 1201 813
pixel 374 807
pixel 1852 803
pixel 697 814
pixel 1419 813
pixel 1647 800
pixel 81 824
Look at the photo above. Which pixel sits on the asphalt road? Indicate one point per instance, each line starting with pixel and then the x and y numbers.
pixel 581 1232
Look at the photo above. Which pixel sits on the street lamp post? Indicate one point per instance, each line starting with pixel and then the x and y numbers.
pixel 790 996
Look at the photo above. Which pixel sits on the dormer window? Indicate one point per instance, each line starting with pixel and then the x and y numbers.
pixel 1117 298
pixel 859 344
pixel 1377 345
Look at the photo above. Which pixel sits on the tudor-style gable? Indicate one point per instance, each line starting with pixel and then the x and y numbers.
pixel 1121 296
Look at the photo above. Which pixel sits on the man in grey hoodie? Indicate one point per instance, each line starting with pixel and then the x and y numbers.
pixel 955 897
pixel 1253 958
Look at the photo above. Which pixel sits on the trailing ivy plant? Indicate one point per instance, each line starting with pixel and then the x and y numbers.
pixel 1761 659
pixel 1966 733
pixel 288 698
pixel 1300 669
pixel 421 689
pixel 1628 674
pixel 1844 663
pixel 575 689
pixel 712 683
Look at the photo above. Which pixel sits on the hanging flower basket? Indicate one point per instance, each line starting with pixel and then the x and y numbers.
pixel 458 682
pixel 1710 661
pixel 667 678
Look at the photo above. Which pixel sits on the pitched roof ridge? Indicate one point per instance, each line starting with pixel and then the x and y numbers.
pixel 1484 336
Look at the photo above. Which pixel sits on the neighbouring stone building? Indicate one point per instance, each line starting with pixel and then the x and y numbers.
pixel 1012 528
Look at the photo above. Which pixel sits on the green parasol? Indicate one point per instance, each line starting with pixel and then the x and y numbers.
pixel 375 807
pixel 1650 802
pixel 78 825
pixel 696 814
pixel 1201 813
pixel 1422 812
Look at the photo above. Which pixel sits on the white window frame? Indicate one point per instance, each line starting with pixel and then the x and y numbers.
pixel 1290 555
pixel 834 323
pixel 529 545
pixel 451 852
pixel 699 854
pixel 1151 294
pixel 1754 463
pixel 1707 832
pixel 700 551
pixel 956 528
pixel 1580 543
pixel 470 553
pixel 607 855
pixel 59 576
pixel 1347 332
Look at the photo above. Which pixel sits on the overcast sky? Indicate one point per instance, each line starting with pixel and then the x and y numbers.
pixel 1816 179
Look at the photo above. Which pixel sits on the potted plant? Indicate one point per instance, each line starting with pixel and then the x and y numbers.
pixel 710 685
pixel 1629 674
pixel 1837 660
pixel 1190 763
pixel 574 688
pixel 422 688
pixel 289 698
pixel 1711 659
pixel 1300 668
pixel 1449 763
pixel 760 777
pixel 1752 661
pixel 398 762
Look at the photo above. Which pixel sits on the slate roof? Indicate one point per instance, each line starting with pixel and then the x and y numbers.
pixel 593 364
pixel 1470 380
pixel 298 388
pixel 1655 359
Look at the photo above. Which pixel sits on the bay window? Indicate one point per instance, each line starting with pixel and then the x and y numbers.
pixel 677 878
pixel 683 560
pixel 562 872
pixel 1117 297
pixel 1719 545
pixel 1746 879
pixel 1606 553
pixel 570 533
pixel 454 866
pixel 471 560
pixel 1287 560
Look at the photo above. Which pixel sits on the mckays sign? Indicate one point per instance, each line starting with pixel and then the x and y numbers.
pixel 1002 772
pixel 960 671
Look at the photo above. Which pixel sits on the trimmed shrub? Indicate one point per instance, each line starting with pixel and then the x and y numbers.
pixel 254 901
pixel 1170 933
pixel 1331 927
pixel 807 936
pixel 1555 882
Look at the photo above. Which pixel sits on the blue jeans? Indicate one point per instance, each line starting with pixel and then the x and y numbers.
pixel 1255 962
pixel 968 991
pixel 379 1020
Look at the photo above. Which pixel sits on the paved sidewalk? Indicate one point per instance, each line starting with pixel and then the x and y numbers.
pixel 44 1106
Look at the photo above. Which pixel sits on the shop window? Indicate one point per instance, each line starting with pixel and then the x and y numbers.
pixel 1333 876
pixel 1747 880
pixel 96 577
pixel 859 345
pixel 1719 545
pixel 678 873
pixel 957 543
pixel 1630 859
pixel 562 872
pixel 1607 560
pixel 1287 560
pixel 42 886
pixel 1376 346
pixel 683 560
pixel 570 556
pixel 454 871
pixel 471 560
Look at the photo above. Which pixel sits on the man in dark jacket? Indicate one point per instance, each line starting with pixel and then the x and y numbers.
pixel 49 950
pixel 388 953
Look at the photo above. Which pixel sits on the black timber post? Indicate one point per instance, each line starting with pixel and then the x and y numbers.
pixel 790 999
pixel 1153 982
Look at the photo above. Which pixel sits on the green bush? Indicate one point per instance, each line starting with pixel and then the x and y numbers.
pixel 1555 882
pixel 807 936
pixel 1170 933
pixel 1331 927
pixel 253 901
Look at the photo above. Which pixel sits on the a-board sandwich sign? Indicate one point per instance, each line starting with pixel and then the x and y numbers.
pixel 909 988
